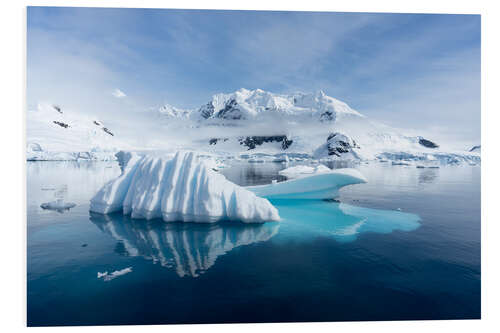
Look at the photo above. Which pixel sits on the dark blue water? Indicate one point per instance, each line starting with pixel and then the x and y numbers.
pixel 404 246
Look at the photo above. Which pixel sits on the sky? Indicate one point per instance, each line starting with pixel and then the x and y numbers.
pixel 411 71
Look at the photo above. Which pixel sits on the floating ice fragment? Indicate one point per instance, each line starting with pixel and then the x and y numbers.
pixel 58 205
pixel 108 277
pixel 318 184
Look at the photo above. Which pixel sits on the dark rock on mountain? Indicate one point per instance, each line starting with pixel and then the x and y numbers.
pixel 475 149
pixel 107 131
pixel 427 143
pixel 57 108
pixel 327 116
pixel 230 111
pixel 97 123
pixel 253 141
pixel 207 110
pixel 60 123
pixel 213 141
pixel 338 143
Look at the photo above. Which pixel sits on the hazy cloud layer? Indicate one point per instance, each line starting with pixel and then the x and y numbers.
pixel 411 71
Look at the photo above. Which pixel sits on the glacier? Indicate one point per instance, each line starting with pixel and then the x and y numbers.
pixel 181 188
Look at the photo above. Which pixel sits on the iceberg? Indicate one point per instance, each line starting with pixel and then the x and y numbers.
pixel 309 183
pixel 181 188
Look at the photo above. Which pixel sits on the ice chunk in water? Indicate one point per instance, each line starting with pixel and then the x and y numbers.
pixel 178 189
pixel 310 183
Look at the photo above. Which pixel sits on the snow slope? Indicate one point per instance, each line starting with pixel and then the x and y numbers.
pixel 54 133
pixel 178 189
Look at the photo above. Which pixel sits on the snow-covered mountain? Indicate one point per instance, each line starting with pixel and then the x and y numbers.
pixel 169 111
pixel 245 121
pixel 54 133
pixel 254 104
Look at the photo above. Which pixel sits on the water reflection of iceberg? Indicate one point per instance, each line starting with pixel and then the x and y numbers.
pixel 306 218
pixel 189 248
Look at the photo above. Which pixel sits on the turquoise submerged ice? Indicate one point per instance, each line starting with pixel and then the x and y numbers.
pixel 306 218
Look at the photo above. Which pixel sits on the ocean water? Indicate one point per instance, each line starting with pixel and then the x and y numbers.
pixel 404 246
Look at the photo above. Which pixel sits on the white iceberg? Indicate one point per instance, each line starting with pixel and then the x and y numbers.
pixel 178 189
pixel 310 183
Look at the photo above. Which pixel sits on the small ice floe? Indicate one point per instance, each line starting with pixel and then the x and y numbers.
pixel 400 163
pixel 113 275
pixel 58 205
pixel 48 188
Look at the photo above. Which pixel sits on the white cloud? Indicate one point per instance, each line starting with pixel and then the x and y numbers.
pixel 118 93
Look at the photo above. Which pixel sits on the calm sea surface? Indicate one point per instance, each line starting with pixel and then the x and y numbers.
pixel 406 245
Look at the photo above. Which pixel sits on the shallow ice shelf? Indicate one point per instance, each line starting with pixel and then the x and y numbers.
pixel 309 183
pixel 306 218
pixel 182 188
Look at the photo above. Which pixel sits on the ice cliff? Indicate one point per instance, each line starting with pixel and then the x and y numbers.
pixel 178 189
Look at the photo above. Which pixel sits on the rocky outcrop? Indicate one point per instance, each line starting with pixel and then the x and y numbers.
pixel 338 143
pixel 57 108
pixel 231 111
pixel 60 123
pixel 207 110
pixel 213 141
pixel 476 149
pixel 107 131
pixel 253 141
pixel 427 143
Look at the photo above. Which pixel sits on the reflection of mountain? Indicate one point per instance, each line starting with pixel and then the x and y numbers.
pixel 190 248
pixel 427 176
